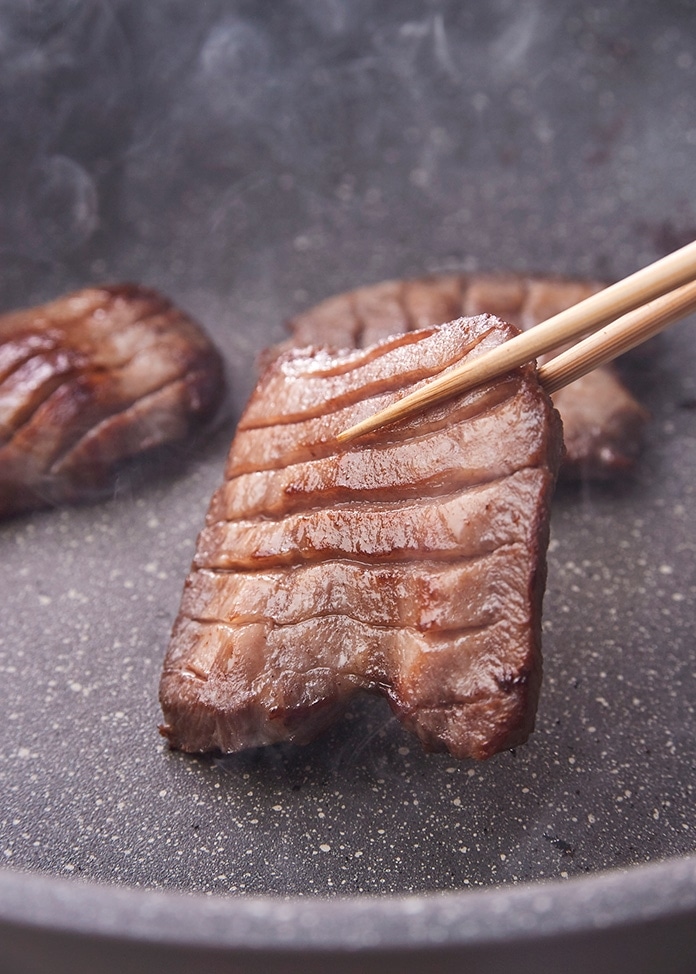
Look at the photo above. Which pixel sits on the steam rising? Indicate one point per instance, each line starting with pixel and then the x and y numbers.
pixel 64 89
pixel 195 138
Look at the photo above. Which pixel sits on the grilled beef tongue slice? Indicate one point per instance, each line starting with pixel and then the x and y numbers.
pixel 603 423
pixel 91 380
pixel 411 563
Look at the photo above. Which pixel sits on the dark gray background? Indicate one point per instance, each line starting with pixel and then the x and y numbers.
pixel 249 159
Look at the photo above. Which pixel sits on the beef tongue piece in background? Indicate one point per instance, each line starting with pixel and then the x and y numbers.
pixel 603 423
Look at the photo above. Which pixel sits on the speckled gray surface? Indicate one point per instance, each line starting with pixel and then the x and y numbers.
pixel 248 163
pixel 607 780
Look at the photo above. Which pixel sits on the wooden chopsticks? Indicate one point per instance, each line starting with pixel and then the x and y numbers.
pixel 638 307
pixel 620 336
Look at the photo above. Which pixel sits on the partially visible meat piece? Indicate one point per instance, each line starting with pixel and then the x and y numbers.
pixel 411 564
pixel 603 426
pixel 603 423
pixel 91 380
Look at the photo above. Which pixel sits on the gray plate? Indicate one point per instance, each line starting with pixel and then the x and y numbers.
pixel 249 159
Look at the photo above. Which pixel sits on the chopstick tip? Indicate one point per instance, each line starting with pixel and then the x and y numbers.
pixel 352 433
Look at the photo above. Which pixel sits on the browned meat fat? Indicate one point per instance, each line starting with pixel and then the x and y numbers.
pixel 91 380
pixel 411 564
pixel 603 423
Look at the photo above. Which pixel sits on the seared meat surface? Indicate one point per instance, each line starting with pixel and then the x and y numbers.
pixel 91 380
pixel 411 563
pixel 602 421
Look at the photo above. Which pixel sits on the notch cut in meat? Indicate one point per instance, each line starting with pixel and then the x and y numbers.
pixel 91 380
pixel 410 564
pixel 602 422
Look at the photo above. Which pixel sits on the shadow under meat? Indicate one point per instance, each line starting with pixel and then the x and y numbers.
pixel 364 742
